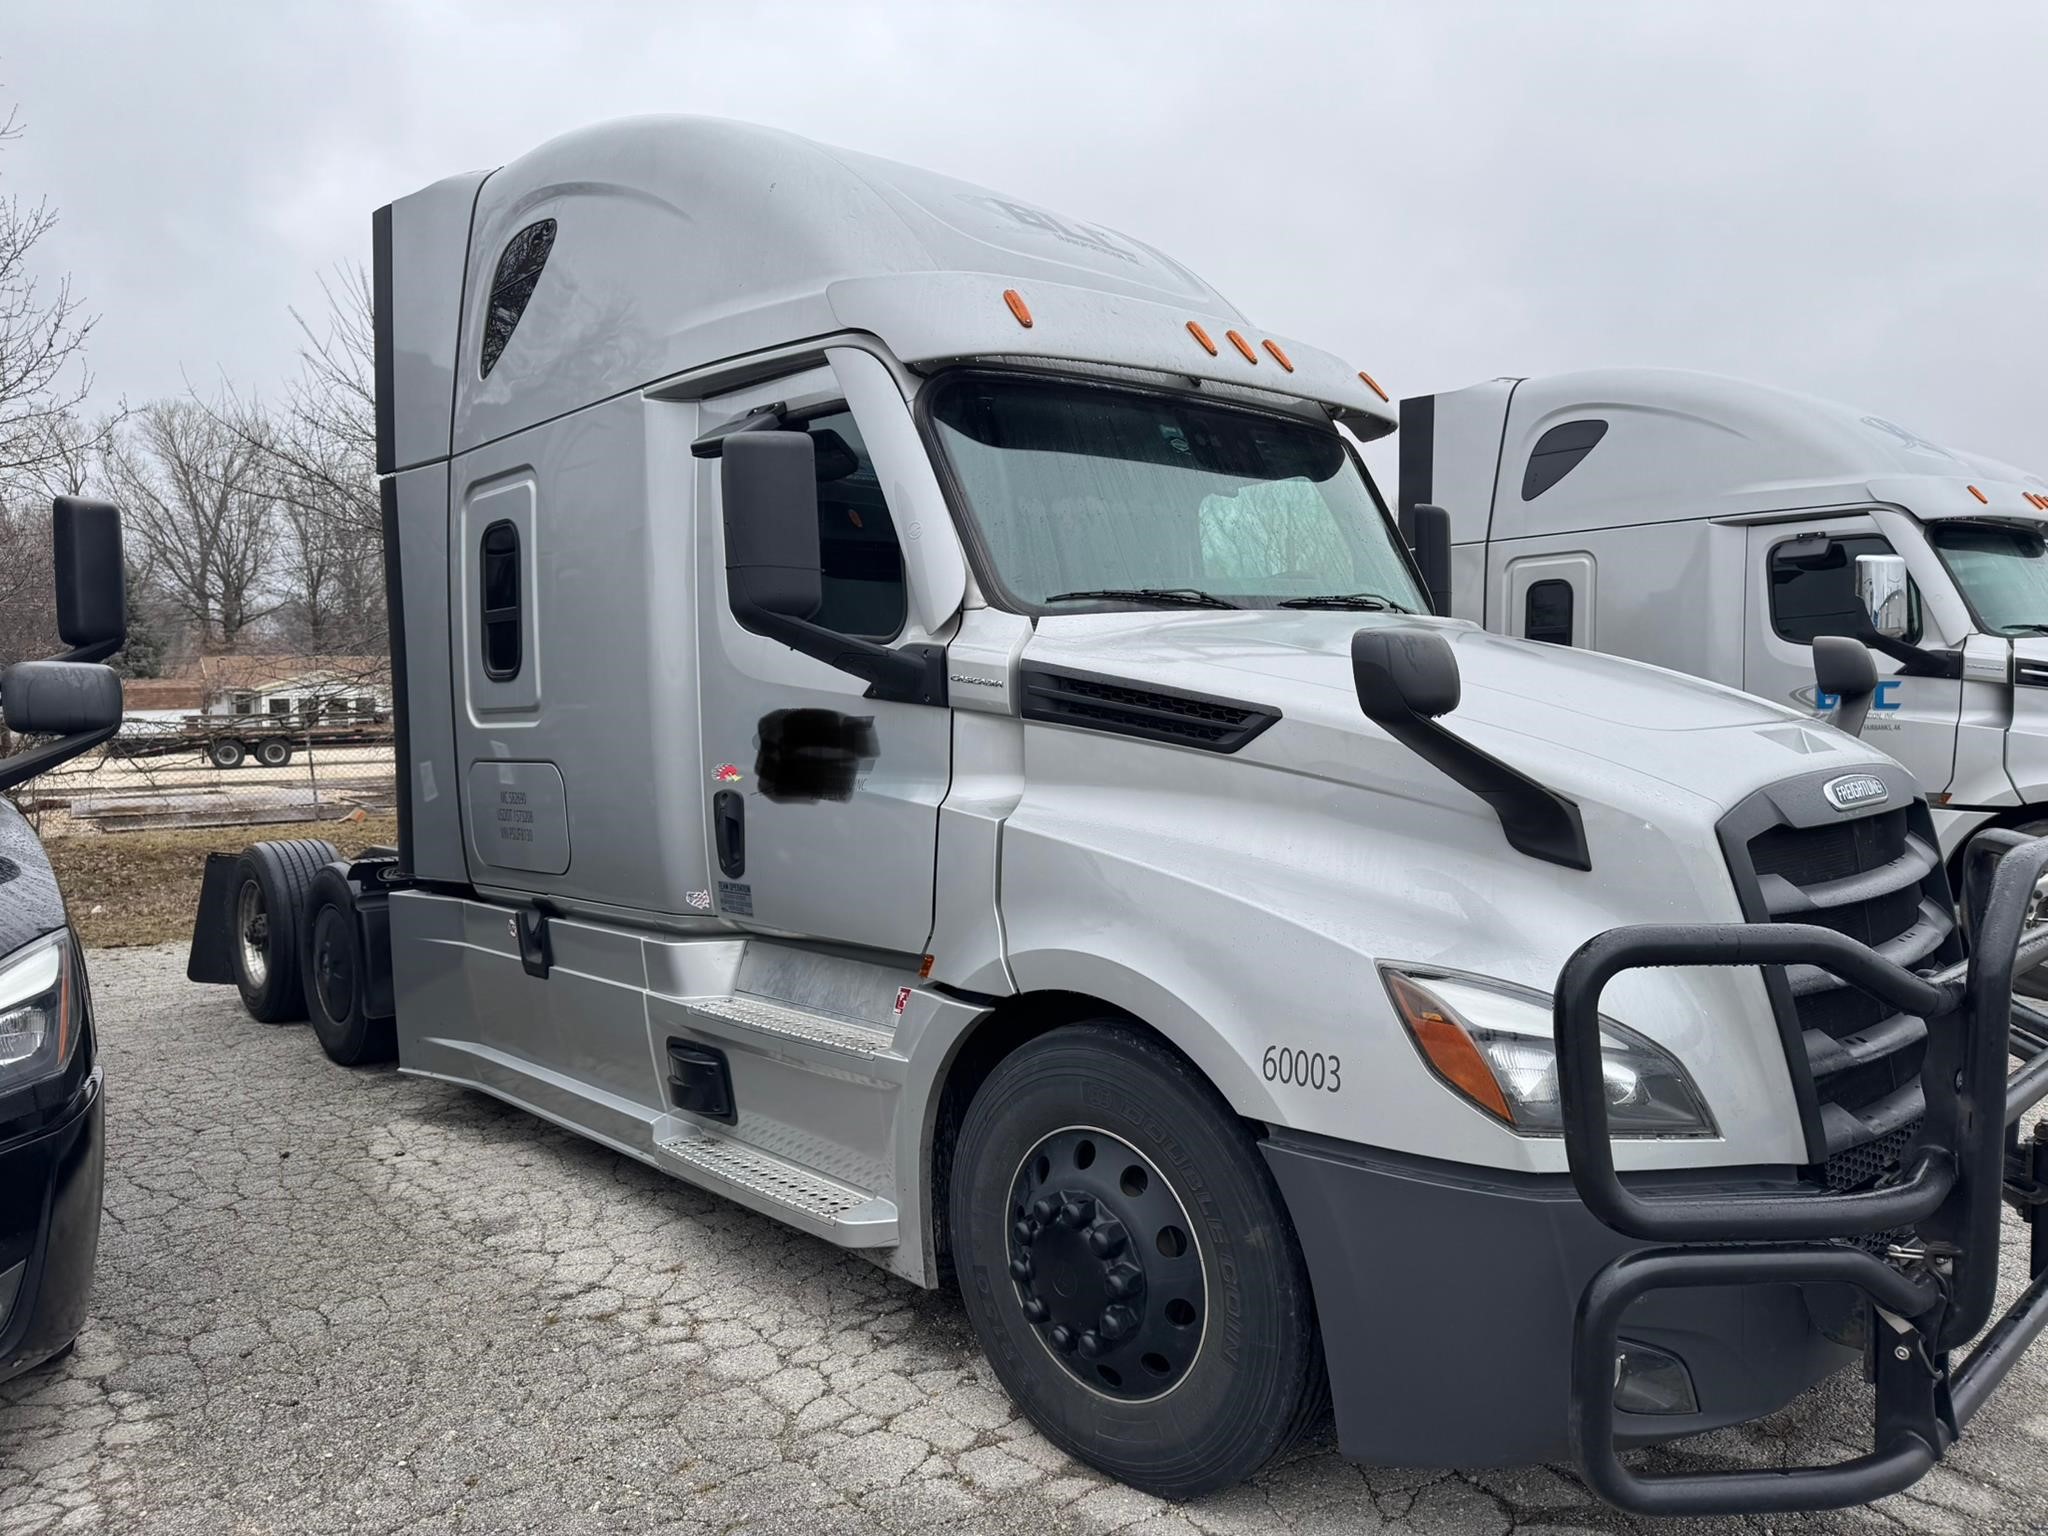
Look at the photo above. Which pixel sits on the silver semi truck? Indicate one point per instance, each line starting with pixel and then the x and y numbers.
pixel 913 717
pixel 1719 527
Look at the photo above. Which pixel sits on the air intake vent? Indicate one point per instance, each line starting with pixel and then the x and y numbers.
pixel 1146 711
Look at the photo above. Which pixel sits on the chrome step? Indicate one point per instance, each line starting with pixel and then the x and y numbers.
pixel 780 1020
pixel 837 1212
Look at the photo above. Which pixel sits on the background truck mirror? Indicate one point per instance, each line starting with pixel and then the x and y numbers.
pixel 1430 533
pixel 1881 589
pixel 92 587
pixel 1845 668
pixel 773 558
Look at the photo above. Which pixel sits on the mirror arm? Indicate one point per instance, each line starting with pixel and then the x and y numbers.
pixel 99 650
pixel 1913 660
pixel 31 761
pixel 910 674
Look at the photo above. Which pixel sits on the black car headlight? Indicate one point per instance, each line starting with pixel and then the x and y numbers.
pixel 38 1010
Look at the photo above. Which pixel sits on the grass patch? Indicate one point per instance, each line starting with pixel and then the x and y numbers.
pixel 143 887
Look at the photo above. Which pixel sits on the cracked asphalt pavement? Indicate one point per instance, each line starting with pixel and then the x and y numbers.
pixel 353 1301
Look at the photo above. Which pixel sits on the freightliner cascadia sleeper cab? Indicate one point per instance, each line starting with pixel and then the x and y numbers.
pixel 1719 527
pixel 913 717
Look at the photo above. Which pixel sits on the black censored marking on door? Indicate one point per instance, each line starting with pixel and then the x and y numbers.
pixel 812 754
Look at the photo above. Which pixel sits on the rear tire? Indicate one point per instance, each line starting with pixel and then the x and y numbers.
pixel 1097 1174
pixel 274 753
pixel 336 974
pixel 271 882
pixel 225 753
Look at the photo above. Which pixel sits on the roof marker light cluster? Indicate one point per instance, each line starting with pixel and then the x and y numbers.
pixel 2036 499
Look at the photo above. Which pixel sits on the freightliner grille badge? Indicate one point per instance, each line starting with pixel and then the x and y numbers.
pixel 1856 791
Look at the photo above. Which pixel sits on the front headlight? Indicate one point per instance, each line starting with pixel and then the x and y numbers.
pixel 1494 1043
pixel 38 1011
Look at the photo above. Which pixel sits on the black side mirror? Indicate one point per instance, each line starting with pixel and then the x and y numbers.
pixel 773 558
pixel 1406 677
pixel 1429 530
pixel 92 583
pixel 774 565
pixel 1845 668
pixel 59 698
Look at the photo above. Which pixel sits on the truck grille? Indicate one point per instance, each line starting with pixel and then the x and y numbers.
pixel 1877 877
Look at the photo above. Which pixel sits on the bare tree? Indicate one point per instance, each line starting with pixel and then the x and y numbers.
pixel 42 333
pixel 321 450
pixel 202 500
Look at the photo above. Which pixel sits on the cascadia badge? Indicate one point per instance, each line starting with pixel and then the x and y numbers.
pixel 1856 791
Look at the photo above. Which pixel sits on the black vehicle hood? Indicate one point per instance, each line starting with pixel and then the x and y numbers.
pixel 30 903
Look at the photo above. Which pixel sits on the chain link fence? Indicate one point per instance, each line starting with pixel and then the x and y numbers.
pixel 221 770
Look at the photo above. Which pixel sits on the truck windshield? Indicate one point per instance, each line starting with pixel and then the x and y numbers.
pixel 2002 569
pixel 1081 491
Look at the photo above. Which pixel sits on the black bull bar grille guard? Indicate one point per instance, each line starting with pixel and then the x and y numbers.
pixel 1930 1296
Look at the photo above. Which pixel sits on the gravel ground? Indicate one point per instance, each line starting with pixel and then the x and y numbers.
pixel 352 1301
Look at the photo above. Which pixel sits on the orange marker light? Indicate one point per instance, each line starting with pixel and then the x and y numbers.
pixel 2039 501
pixel 1195 330
pixel 1018 307
pixel 1978 494
pixel 1244 347
pixel 1373 384
pixel 1448 1048
pixel 1273 347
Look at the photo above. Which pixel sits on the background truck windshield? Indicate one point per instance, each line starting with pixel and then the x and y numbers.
pixel 1076 487
pixel 2003 571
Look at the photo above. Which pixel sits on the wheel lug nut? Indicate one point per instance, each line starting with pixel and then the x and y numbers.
pixel 1091 1344
pixel 1116 1322
pixel 1124 1280
pixel 1077 1213
pixel 1025 1231
pixel 1020 1268
pixel 1106 1238
pixel 1035 1311
pixel 1044 1208
pixel 1061 1337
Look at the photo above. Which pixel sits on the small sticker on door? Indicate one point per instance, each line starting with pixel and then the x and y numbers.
pixel 700 901
pixel 727 773
pixel 902 1000
pixel 735 898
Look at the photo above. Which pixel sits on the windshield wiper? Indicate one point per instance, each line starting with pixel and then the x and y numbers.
pixel 1368 600
pixel 2023 629
pixel 1183 597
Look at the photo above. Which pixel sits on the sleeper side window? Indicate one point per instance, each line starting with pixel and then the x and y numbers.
pixel 1813 587
pixel 1547 611
pixel 498 580
pixel 862 563
pixel 512 285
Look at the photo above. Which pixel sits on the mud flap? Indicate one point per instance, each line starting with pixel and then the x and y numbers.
pixel 213 929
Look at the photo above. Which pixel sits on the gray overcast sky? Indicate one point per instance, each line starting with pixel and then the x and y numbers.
pixel 1848 199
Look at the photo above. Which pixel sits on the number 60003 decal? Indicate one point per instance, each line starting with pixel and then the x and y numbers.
pixel 1302 1069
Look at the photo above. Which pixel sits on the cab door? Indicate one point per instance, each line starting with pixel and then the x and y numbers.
pixel 822 803
pixel 1802 584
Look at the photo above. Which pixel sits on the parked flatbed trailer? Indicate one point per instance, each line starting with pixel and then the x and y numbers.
pixel 228 741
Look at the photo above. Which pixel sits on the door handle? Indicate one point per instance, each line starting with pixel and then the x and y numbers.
pixel 729 821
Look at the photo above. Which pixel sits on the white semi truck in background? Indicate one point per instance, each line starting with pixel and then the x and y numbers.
pixel 1718 527
pixel 913 717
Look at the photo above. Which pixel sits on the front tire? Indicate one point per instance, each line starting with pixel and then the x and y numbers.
pixel 1128 1266
pixel 226 753
pixel 271 882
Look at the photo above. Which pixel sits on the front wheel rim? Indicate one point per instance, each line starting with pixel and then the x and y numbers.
pixel 1105 1265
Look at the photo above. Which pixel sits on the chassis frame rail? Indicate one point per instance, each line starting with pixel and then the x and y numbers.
pixel 1930 1296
